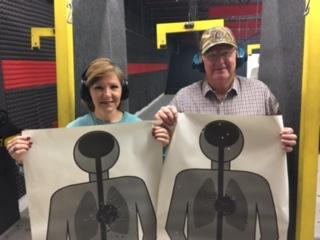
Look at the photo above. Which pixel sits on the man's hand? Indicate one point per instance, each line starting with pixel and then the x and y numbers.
pixel 168 116
pixel 288 139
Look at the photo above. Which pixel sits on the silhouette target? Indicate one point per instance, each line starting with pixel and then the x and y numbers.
pixel 99 146
pixel 220 203
pixel 96 145
pixel 105 208
pixel 221 136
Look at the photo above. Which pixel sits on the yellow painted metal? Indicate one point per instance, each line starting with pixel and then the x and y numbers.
pixel 64 61
pixel 179 27
pixel 309 128
pixel 37 33
pixel 6 140
pixel 252 47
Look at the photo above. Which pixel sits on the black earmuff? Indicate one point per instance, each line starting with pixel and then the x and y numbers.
pixel 84 90
pixel 125 90
pixel 85 93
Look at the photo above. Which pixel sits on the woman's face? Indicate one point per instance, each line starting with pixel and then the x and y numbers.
pixel 106 94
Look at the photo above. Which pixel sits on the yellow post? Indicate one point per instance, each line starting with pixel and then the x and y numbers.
pixel 64 61
pixel 309 127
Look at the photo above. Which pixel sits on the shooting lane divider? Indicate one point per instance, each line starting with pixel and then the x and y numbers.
pixel 309 126
pixel 64 61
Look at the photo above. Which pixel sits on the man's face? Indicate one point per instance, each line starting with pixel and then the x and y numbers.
pixel 220 65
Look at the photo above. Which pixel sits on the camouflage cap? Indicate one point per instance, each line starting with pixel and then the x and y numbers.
pixel 215 36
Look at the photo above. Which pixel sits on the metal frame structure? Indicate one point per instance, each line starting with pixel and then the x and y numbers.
pixel 37 33
pixel 252 47
pixel 179 27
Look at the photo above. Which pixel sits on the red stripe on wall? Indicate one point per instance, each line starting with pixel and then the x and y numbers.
pixel 243 30
pixel 243 20
pixel 235 10
pixel 245 24
pixel 19 74
pixel 140 68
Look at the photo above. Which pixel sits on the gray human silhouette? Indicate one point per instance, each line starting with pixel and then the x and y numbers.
pixel 221 204
pixel 106 208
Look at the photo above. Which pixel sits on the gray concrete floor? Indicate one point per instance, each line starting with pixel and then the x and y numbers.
pixel 20 230
pixel 148 112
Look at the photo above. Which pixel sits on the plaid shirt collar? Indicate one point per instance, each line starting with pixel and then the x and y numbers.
pixel 234 90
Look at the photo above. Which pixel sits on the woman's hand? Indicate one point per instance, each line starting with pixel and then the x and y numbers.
pixel 17 146
pixel 288 139
pixel 161 134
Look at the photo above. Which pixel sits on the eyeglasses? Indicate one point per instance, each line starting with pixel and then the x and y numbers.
pixel 214 55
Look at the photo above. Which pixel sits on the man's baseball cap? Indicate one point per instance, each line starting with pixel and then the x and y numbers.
pixel 215 36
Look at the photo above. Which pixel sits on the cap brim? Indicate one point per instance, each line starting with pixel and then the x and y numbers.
pixel 215 44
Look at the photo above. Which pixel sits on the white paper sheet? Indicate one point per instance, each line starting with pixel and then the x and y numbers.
pixel 50 166
pixel 261 157
pixel 255 188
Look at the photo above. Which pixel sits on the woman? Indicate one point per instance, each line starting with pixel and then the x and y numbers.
pixel 103 88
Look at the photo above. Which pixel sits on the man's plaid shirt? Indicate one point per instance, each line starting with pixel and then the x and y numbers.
pixel 245 97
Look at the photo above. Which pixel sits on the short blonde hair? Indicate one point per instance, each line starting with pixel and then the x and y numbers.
pixel 97 70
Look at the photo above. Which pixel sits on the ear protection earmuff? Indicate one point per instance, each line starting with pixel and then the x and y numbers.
pixel 85 93
pixel 84 90
pixel 242 57
pixel 197 62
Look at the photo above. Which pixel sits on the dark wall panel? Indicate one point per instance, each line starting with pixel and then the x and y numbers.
pixel 17 18
pixel 2 94
pixel 30 92
pixel 138 19
pixel 99 31
pixel 281 56
pixel 9 209
pixel 181 72
pixel 42 103
pixel 141 50
pixel 29 97
pixel 145 88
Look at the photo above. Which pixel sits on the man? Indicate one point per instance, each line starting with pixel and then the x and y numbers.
pixel 223 92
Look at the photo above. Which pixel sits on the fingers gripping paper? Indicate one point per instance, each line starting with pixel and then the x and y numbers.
pixel 225 178
pixel 93 182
